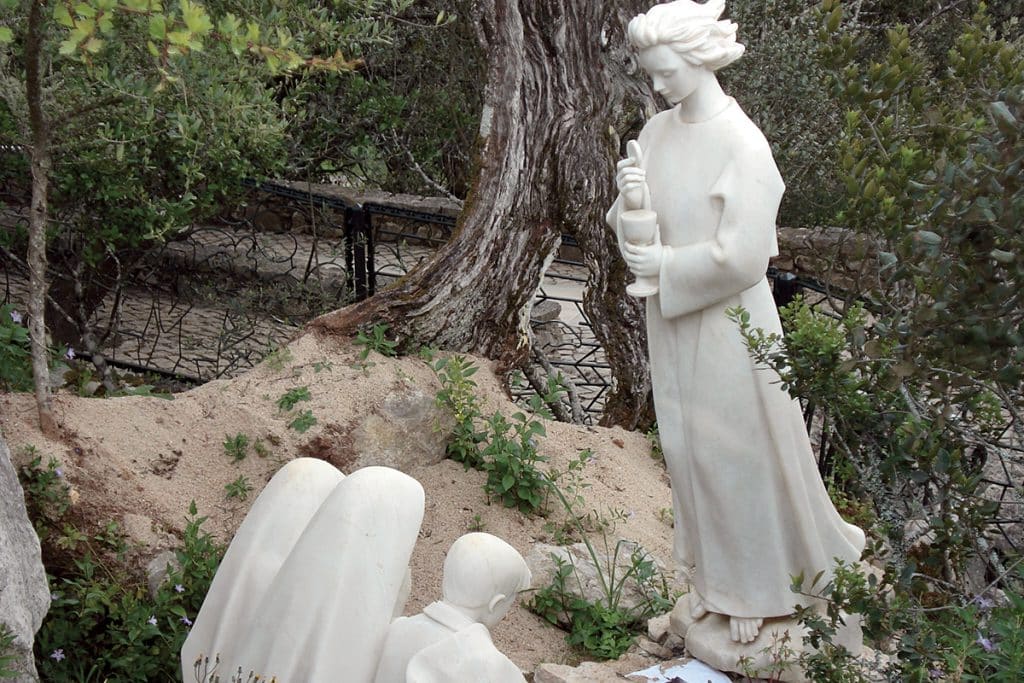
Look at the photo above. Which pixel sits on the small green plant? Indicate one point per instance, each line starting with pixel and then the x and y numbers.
pixel 654 438
pixel 236 447
pixel 457 395
pixel 511 460
pixel 47 494
pixel 970 638
pixel 261 448
pixel 477 523
pixel 240 488
pixel 15 358
pixel 376 340
pixel 291 397
pixel 595 628
pixel 572 485
pixel 303 421
pixel 602 628
pixel 8 655
pixel 321 365
pixel 278 358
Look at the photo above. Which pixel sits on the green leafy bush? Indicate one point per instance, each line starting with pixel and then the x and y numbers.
pixel 457 395
pixel 103 624
pixel 968 638
pixel 511 460
pixel 15 358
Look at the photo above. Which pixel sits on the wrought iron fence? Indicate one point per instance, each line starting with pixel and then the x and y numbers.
pixel 216 297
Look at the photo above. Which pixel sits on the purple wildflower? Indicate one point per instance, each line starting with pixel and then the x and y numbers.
pixel 16 317
pixel 59 472
pixel 936 674
pixel 986 644
pixel 57 655
pixel 186 621
pixel 70 353
pixel 178 588
pixel 151 621
pixel 984 603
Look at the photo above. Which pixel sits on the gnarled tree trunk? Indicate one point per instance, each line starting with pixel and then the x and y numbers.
pixel 560 93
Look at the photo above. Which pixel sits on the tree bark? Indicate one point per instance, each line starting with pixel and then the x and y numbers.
pixel 561 91
pixel 38 216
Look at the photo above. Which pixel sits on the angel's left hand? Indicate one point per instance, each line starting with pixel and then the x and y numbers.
pixel 644 261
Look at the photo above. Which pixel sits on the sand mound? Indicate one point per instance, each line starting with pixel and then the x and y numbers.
pixel 140 460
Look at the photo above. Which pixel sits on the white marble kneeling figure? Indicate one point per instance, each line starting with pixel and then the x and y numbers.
pixel 322 613
pixel 750 507
pixel 316 573
pixel 260 546
pixel 450 640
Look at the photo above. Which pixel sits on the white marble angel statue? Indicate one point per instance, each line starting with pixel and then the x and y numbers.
pixel 750 508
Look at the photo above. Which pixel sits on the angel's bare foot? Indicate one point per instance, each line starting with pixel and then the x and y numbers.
pixel 697 608
pixel 744 630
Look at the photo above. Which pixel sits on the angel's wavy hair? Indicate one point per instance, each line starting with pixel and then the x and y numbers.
pixel 691 29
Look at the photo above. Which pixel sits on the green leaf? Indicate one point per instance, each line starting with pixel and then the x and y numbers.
pixel 928 237
pixel 1003 118
pixel 157 26
pixel 68 47
pixel 196 18
pixel 6 35
pixel 62 16
pixel 1002 256
pixel 180 38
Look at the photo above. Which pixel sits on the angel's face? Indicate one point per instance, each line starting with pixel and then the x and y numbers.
pixel 672 76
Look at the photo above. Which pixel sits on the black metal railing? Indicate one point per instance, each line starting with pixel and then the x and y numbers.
pixel 215 298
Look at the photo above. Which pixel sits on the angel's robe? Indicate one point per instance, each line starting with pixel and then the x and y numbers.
pixel 751 511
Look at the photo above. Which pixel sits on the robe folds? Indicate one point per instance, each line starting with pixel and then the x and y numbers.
pixel 750 508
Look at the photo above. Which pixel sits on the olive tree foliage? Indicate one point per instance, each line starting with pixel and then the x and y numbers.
pixel 139 116
pixel 920 380
pixel 921 383
pixel 407 119
pixel 781 84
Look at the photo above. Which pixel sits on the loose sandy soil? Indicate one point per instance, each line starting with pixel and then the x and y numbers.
pixel 140 460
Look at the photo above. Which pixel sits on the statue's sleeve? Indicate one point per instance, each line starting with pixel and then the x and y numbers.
pixel 698 275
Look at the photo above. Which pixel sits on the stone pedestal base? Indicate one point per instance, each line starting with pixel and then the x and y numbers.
pixel 771 655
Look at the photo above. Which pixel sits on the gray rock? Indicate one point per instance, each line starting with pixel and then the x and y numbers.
pixel 158 569
pixel 24 591
pixel 409 429
pixel 658 628
pixel 543 567
pixel 593 672
pixel 545 311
